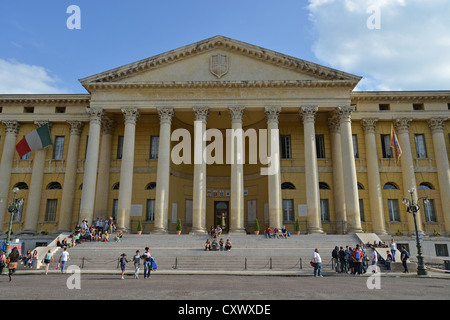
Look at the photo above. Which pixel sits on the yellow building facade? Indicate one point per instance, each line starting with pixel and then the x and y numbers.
pixel 114 149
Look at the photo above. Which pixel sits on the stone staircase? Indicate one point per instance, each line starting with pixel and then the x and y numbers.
pixel 186 252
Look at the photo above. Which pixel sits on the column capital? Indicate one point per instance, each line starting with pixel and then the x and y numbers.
pixel 130 115
pixel 95 115
pixel 40 123
pixel 308 113
pixel 437 124
pixel 201 113
pixel 108 125
pixel 368 125
pixel 11 126
pixel 236 113
pixel 345 113
pixel 402 124
pixel 165 114
pixel 272 113
pixel 333 123
pixel 76 127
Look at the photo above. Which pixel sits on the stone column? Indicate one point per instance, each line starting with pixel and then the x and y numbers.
pixel 409 178
pixel 373 177
pixel 70 177
pixel 440 153
pixel 35 193
pixel 161 224
pixel 11 131
pixel 90 167
pixel 126 169
pixel 102 192
pixel 338 174
pixel 311 172
pixel 274 180
pixel 237 172
pixel 199 186
pixel 349 167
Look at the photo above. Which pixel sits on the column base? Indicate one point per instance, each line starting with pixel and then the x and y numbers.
pixel 198 231
pixel 380 232
pixel 354 230
pixel 29 232
pixel 159 231
pixel 237 232
pixel 315 231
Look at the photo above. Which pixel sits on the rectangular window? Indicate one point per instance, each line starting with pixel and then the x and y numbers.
pixel 421 148
pixel 50 211
pixel 58 148
pixel 430 212
pixel 26 156
pixel 114 209
pixel 386 146
pixel 119 147
pixel 441 250
pixel 150 210
pixel 384 107
pixel 361 210
pixel 320 146
pixel 154 147
pixel 418 106
pixel 288 210
pixel 394 213
pixel 285 144
pixel 355 146
pixel 324 210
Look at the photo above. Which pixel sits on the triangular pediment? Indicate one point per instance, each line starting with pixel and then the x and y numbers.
pixel 219 60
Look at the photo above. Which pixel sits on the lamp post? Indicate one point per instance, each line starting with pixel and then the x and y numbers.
pixel 12 209
pixel 413 207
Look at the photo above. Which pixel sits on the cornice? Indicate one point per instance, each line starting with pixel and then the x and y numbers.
pixel 52 99
pixel 227 44
pixel 223 84
pixel 399 96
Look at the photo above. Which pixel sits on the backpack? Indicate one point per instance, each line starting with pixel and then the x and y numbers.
pixel 357 255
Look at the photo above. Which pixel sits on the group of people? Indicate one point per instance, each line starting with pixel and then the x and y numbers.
pixel 275 233
pixel 149 263
pixel 215 243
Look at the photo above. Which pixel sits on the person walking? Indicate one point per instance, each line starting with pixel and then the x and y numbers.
pixel 404 256
pixel 317 260
pixel 11 261
pixel 147 263
pixel 393 249
pixel 63 259
pixel 123 263
pixel 137 264
pixel 374 260
pixel 48 258
pixel 2 261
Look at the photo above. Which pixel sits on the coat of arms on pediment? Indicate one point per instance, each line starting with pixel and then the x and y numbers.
pixel 218 65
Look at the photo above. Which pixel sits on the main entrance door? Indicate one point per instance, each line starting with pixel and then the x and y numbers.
pixel 221 215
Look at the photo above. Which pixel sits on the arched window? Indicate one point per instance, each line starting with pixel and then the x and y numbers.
pixel 360 186
pixel 390 186
pixel 54 186
pixel 116 186
pixel 426 186
pixel 21 186
pixel 323 186
pixel 151 186
pixel 287 186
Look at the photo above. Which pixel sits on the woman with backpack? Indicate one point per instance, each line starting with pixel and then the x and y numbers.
pixel 357 256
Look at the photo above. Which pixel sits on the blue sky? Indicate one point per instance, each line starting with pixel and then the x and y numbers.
pixel 410 50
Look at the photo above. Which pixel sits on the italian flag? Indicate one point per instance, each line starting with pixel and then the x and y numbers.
pixel 35 140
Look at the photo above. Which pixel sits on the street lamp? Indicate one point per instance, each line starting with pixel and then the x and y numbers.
pixel 12 208
pixel 414 207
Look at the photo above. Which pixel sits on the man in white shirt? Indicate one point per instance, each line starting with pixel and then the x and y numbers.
pixel 318 263
pixel 374 260
pixel 63 259
pixel 393 249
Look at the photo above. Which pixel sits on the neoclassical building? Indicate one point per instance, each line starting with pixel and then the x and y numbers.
pixel 113 148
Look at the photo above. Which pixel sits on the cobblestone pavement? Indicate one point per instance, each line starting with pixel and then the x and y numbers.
pixel 220 287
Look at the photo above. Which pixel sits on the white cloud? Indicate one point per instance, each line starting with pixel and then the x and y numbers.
pixel 410 51
pixel 20 78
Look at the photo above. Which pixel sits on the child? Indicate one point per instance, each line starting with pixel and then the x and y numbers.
pixel 123 262
pixel 137 264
